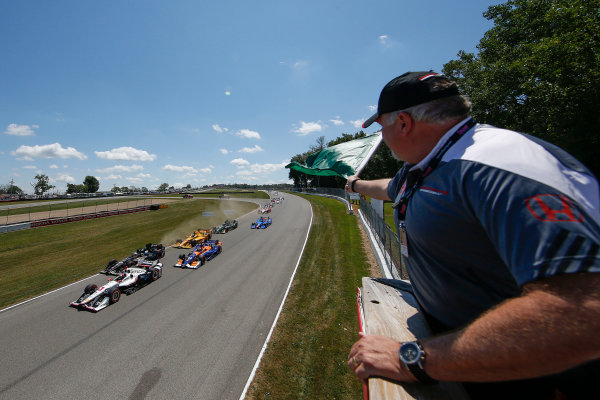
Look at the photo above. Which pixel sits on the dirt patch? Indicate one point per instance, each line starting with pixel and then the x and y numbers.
pixel 374 270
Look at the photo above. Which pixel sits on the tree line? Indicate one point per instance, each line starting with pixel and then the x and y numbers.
pixel 537 71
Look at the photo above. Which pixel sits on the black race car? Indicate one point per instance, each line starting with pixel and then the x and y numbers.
pixel 227 226
pixel 151 252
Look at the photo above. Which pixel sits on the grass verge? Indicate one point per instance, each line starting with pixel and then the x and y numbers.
pixel 35 261
pixel 306 357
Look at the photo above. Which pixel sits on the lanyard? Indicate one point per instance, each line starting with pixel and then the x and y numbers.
pixel 413 179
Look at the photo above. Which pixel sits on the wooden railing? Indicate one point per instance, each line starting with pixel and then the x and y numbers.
pixel 390 309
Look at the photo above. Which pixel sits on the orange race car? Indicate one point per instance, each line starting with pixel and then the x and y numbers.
pixel 198 236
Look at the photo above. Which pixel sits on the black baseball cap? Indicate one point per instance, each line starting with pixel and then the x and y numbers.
pixel 408 90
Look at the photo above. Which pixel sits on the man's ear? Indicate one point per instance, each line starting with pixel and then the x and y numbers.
pixel 405 122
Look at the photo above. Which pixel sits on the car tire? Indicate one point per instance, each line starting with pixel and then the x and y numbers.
pixel 114 295
pixel 111 263
pixel 202 260
pixel 91 288
pixel 155 274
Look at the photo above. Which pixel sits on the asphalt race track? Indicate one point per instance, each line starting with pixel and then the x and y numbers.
pixel 192 334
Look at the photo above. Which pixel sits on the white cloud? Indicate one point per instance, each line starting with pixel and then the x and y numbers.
pixel 262 169
pixel 134 179
pixel 300 64
pixel 181 168
pixel 54 166
pixel 255 149
pixel 205 170
pixel 121 168
pixel 144 176
pixel 373 108
pixel 336 121
pixel 224 151
pixel 239 162
pixel 219 129
pixel 54 150
pixel 64 178
pixel 126 154
pixel 307 128
pixel 113 176
pixel 384 40
pixel 29 167
pixel 357 123
pixel 248 134
pixel 20 130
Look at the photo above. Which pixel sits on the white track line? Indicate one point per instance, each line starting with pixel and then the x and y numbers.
pixel 46 294
pixel 262 351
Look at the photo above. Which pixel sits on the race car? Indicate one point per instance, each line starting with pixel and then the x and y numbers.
pixel 227 226
pixel 201 253
pixel 128 281
pixel 211 249
pixel 261 223
pixel 192 259
pixel 265 209
pixel 151 252
pixel 115 267
pixel 198 236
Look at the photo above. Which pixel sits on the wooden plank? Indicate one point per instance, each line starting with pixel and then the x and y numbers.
pixel 394 312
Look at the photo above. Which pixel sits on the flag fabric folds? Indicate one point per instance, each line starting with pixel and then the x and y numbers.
pixel 344 159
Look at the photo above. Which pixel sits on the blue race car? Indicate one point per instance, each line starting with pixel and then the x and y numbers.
pixel 200 255
pixel 261 223
pixel 211 249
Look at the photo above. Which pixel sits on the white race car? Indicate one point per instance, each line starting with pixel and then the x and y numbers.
pixel 130 280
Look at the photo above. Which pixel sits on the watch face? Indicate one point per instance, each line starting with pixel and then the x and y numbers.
pixel 410 353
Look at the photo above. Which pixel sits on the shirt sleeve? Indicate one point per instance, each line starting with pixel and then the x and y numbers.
pixel 537 230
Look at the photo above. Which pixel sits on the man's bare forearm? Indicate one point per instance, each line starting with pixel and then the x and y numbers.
pixel 554 326
pixel 376 189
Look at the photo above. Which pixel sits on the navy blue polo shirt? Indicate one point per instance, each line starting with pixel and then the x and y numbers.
pixel 500 210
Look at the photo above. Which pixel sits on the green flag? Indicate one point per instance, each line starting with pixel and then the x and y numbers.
pixel 344 159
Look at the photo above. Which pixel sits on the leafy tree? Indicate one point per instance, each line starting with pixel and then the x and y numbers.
pixel 163 187
pixel 115 189
pixel 42 184
pixel 72 188
pixel 10 189
pixel 537 72
pixel 91 184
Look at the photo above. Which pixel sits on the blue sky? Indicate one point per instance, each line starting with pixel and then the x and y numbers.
pixel 192 92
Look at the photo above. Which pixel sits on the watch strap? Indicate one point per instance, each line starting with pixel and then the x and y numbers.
pixel 420 373
pixel 417 368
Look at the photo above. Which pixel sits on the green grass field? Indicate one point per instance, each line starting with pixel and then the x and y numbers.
pixel 35 261
pixel 306 357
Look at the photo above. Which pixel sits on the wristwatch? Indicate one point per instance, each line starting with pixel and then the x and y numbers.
pixel 413 356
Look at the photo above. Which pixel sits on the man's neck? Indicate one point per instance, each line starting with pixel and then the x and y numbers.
pixel 428 135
